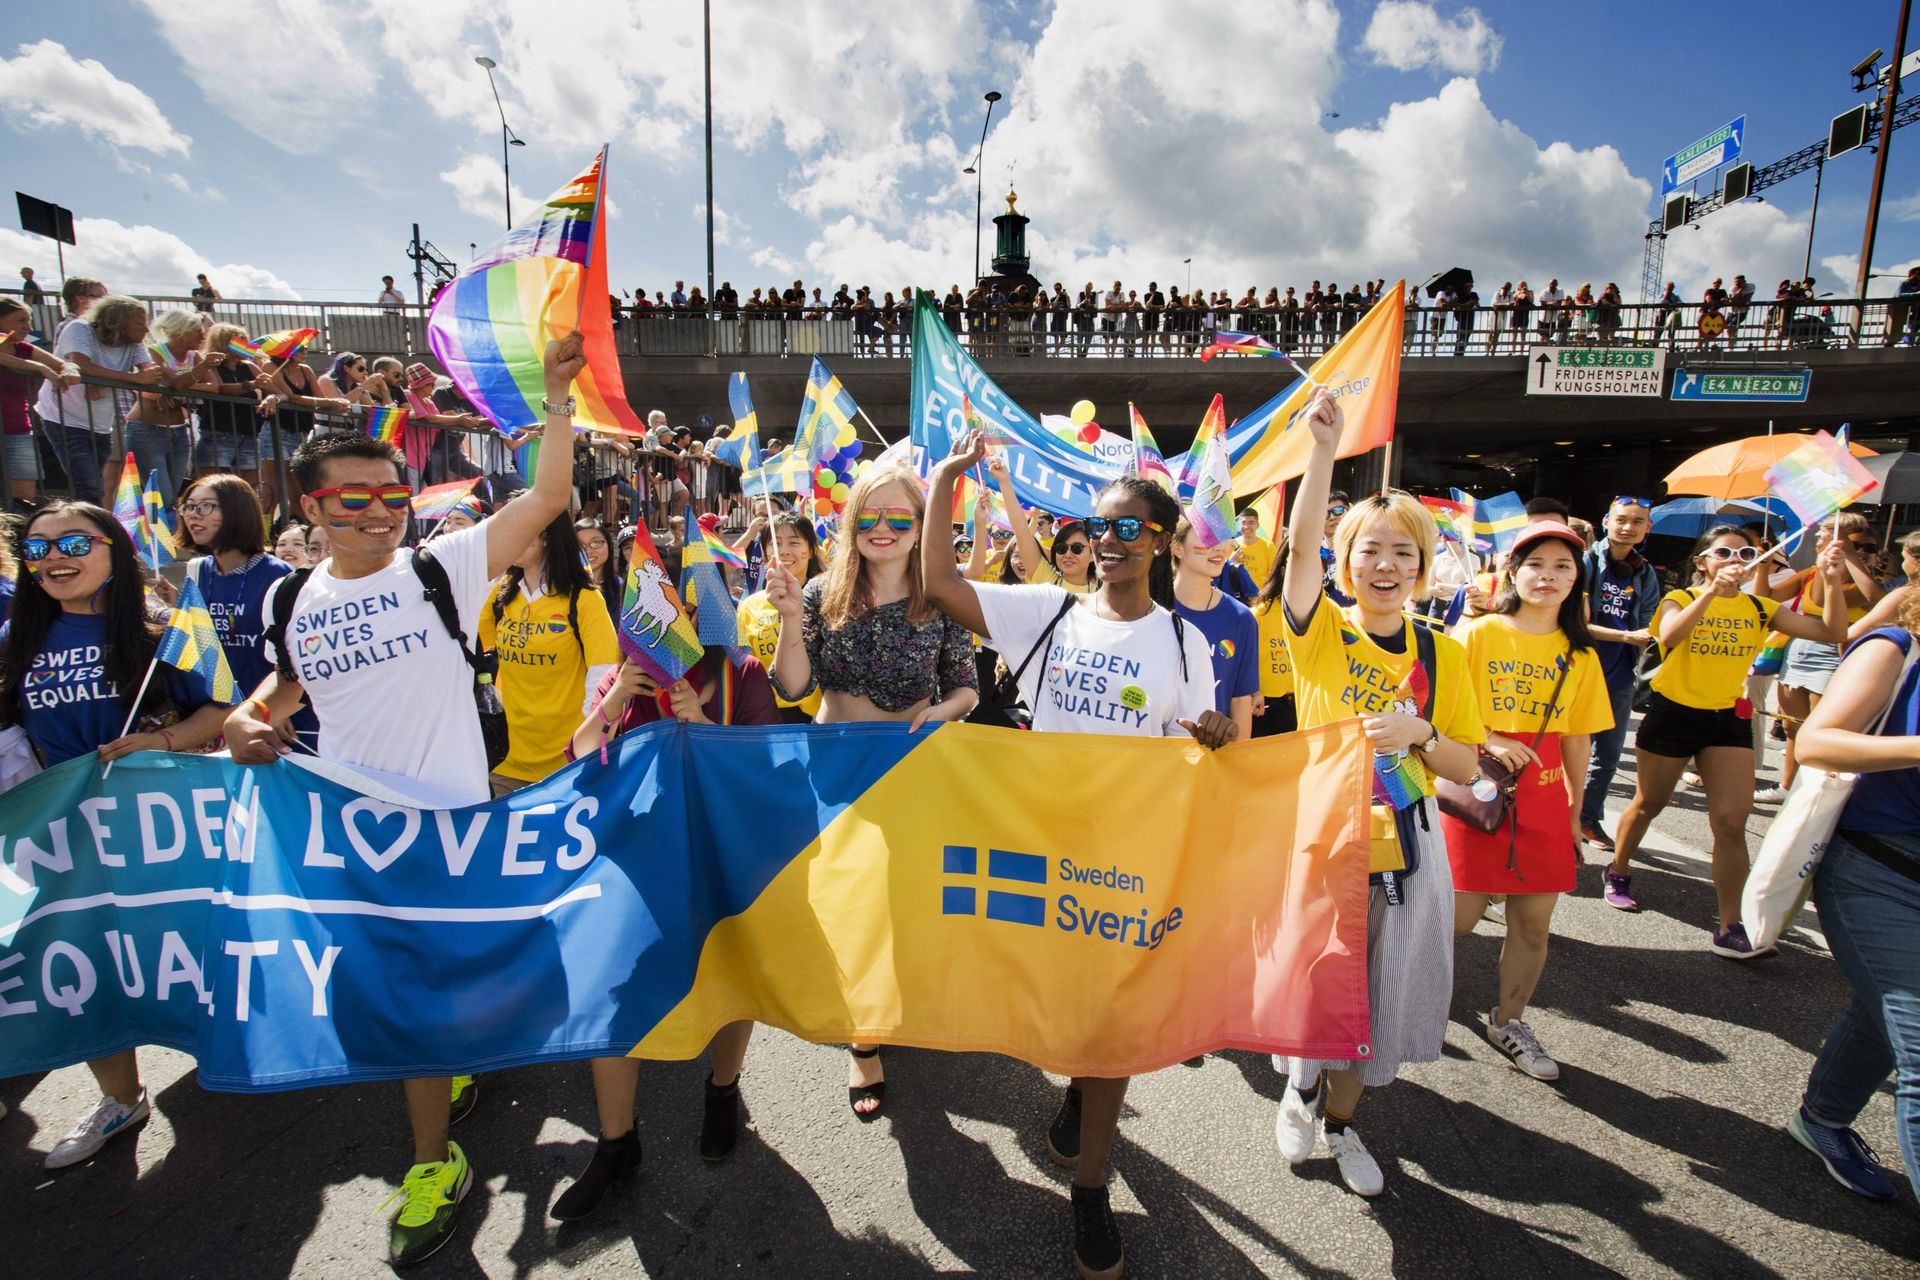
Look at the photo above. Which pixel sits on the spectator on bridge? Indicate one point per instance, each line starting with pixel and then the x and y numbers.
pixel 1085 307
pixel 952 307
pixel 726 300
pixel 1465 304
pixel 391 298
pixel 229 437
pixel 1443 304
pixel 204 295
pixel 1902 320
pixel 1154 306
pixel 1554 320
pixel 30 291
pixel 1502 315
pixel 1713 321
pixel 1666 321
pixel 1521 316
pixel 160 427
pixel 1606 314
pixel 1059 307
pixel 77 295
pixel 816 305
pixel 679 297
pixel 108 342
pixel 1111 305
pixel 349 370
pixel 1738 300
pixel 1350 304
pixel 22 368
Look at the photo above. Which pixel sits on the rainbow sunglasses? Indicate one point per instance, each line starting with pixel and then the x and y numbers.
pixel 899 519
pixel 358 497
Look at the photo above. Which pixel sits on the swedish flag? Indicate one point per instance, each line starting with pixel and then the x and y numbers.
pixel 191 644
pixel 740 446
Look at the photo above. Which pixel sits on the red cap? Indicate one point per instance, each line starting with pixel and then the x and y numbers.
pixel 1547 529
pixel 709 522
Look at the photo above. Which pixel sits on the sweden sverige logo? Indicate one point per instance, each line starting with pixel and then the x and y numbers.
pixel 1004 894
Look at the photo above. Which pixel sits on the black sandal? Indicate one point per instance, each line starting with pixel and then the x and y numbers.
pixel 857 1094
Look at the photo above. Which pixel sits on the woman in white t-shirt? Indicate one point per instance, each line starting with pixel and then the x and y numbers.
pixel 1118 627
pixel 110 343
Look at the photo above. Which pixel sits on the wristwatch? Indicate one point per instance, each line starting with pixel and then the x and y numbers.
pixel 1433 740
pixel 563 409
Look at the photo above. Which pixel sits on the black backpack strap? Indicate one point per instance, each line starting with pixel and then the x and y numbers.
pixel 286 594
pixel 1045 636
pixel 1424 652
pixel 1180 642
pixel 439 592
pixel 573 621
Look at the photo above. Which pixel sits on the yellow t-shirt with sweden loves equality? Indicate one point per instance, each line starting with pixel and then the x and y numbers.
pixel 1045 575
pixel 543 673
pixel 1339 672
pixel 1514 672
pixel 759 630
pixel 1709 668
pixel 1256 557
pixel 1276 665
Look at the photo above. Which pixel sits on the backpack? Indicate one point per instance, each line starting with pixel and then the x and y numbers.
pixel 438 589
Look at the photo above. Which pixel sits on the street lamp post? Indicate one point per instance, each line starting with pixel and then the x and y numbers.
pixel 506 137
pixel 979 180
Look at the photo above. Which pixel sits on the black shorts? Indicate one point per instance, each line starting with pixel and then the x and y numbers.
pixel 1279 718
pixel 1674 729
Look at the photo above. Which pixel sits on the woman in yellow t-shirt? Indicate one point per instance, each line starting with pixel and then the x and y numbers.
pixel 796 547
pixel 1068 562
pixel 1810 664
pixel 1711 633
pixel 1273 710
pixel 1421 718
pixel 1532 658
pixel 554 639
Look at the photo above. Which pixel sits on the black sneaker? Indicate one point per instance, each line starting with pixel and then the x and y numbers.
pixel 1097 1252
pixel 1063 1135
pixel 720 1127
pixel 613 1159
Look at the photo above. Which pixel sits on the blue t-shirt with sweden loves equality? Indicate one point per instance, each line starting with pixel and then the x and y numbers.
pixel 1613 607
pixel 68 706
pixel 237 602
pixel 1233 640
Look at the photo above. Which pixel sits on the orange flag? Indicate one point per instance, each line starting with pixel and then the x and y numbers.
pixel 1363 370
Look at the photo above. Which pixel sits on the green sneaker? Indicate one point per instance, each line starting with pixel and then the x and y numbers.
pixel 466 1092
pixel 432 1195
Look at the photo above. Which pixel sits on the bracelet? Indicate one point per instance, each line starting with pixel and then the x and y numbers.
pixel 266 716
pixel 167 738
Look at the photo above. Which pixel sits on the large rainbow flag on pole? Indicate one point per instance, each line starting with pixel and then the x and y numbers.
pixel 491 326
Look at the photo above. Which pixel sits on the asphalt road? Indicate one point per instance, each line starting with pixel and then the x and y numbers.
pixel 1660 1151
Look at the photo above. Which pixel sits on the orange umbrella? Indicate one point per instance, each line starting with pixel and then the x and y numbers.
pixel 1738 469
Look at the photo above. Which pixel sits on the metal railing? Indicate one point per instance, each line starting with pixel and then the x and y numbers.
pixel 373 329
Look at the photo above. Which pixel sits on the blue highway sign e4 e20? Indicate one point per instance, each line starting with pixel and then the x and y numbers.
pixel 1722 146
pixel 1763 386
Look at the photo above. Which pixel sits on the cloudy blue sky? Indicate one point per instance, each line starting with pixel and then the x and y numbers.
pixel 288 147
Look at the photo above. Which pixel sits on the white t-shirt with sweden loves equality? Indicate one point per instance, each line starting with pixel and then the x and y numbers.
pixel 1098 676
pixel 387 681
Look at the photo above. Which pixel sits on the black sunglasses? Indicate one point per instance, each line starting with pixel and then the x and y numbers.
pixel 1074 548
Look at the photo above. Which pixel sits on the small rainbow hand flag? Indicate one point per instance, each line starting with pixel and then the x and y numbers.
pixel 1209 473
pixel 1819 478
pixel 244 349
pixel 191 644
pixel 143 515
pixel 1453 518
pixel 1240 344
pixel 285 344
pixel 1148 461
pixel 385 422
pixel 442 500
pixel 654 629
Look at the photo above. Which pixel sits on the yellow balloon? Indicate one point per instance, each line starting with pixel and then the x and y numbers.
pixel 841 493
pixel 1082 412
pixel 845 438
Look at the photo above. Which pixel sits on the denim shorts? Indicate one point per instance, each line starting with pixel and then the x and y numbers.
pixel 23 457
pixel 219 451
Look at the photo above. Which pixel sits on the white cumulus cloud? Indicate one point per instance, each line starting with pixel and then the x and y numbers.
pixel 50 88
pixel 1410 34
pixel 138 259
pixel 478 187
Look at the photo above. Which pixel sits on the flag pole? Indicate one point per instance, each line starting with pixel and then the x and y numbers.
pixel 869 421
pixel 134 710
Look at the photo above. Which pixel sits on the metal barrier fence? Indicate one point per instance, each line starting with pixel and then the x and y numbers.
pixel 373 329
pixel 86 441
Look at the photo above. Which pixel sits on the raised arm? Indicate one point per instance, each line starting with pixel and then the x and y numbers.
pixel 950 593
pixel 1324 419
pixel 518 523
pixel 1030 553
pixel 1832 627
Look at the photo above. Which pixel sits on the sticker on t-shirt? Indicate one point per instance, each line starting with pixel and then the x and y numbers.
pixel 1134 698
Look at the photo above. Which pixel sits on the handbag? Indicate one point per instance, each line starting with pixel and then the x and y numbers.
pixel 1798 837
pixel 1457 800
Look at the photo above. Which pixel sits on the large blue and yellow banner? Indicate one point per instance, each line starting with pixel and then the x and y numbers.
pixel 1090 905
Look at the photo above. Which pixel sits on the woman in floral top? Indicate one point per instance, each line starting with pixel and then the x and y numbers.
pixel 865 635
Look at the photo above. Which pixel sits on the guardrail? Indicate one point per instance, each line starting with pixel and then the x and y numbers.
pixel 373 329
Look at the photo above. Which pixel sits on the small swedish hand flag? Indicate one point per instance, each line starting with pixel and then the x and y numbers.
pixel 191 644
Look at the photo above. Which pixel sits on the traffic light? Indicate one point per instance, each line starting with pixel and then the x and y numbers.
pixel 1738 184
pixel 1848 132
pixel 1678 211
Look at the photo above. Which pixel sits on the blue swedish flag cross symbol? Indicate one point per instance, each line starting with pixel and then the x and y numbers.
pixel 1002 904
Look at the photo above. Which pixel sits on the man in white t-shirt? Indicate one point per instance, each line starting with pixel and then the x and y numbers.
pixel 392 689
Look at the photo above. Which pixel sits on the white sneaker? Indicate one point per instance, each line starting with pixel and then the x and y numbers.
pixel 1297 1125
pixel 1495 913
pixel 107 1121
pixel 1357 1165
pixel 1517 1041
pixel 1692 779
pixel 1770 795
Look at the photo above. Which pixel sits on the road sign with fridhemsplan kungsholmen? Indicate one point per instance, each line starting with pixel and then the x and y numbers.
pixel 1596 371
pixel 1789 386
pixel 1722 146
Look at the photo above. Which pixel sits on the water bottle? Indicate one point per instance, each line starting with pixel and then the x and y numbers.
pixel 486 697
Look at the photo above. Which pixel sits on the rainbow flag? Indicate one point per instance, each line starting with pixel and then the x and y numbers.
pixel 716 547
pixel 741 446
pixel 154 541
pixel 385 422
pixel 1148 461
pixel 1207 479
pixel 491 326
pixel 1227 342
pixel 716 620
pixel 654 629
pixel 1452 517
pixel 244 349
pixel 442 500
pixel 1819 478
pixel 191 644
pixel 285 343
